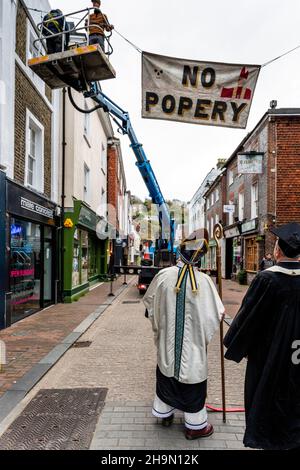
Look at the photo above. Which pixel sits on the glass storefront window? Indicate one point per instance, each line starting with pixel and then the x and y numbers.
pixel 25 268
pixel 75 273
pixel 93 270
pixel 84 256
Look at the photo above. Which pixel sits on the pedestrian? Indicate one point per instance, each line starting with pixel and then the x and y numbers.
pixel 266 262
pixel 185 310
pixel 266 331
pixel 97 25
pixel 53 24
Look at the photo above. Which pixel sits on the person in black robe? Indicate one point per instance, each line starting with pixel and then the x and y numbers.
pixel 266 331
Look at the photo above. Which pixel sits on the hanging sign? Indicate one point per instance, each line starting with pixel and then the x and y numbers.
pixel 209 93
pixel 229 209
pixel 250 163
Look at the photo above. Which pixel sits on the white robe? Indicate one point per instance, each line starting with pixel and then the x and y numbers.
pixel 203 312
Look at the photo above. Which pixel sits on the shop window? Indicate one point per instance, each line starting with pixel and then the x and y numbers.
pixel 92 256
pixel 84 256
pixel 34 164
pixel 76 252
pixel 25 268
pixel 251 254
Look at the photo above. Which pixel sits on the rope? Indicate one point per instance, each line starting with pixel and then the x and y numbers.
pixel 129 42
pixel 280 56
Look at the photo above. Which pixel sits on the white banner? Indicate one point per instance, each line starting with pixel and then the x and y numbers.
pixel 249 164
pixel 209 93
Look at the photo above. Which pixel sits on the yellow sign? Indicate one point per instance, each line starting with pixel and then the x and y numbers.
pixel 68 223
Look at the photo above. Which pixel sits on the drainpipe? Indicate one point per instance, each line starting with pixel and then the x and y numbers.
pixel 63 187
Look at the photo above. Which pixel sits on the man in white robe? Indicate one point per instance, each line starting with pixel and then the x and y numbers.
pixel 185 310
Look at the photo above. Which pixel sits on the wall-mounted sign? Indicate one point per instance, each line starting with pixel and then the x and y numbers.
pixel 250 225
pixel 249 163
pixel 210 93
pixel 229 209
pixel 232 232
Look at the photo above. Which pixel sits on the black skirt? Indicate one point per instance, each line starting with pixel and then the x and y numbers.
pixel 189 398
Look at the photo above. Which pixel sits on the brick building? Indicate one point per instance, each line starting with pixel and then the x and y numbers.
pixel 28 156
pixel 118 200
pixel 258 200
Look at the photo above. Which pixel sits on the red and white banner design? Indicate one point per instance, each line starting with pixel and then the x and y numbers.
pixel 209 93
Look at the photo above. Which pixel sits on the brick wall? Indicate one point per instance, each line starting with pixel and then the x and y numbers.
pixel 26 97
pixel 288 170
pixel 112 184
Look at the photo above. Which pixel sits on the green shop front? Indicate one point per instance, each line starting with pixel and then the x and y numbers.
pixel 85 251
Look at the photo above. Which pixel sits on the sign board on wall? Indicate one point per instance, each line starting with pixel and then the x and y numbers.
pixel 229 209
pixel 209 93
pixel 250 163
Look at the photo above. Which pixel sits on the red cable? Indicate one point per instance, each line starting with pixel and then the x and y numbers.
pixel 228 410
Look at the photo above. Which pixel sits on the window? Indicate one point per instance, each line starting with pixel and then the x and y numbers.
pixel 34 161
pixel 230 177
pixel 208 203
pixel 254 201
pixel 251 254
pixel 87 122
pixel 34 50
pixel 217 195
pixel 241 206
pixel 212 199
pixel 230 215
pixel 103 159
pixel 212 227
pixel 86 183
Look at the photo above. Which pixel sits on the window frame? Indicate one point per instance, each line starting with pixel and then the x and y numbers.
pixel 38 182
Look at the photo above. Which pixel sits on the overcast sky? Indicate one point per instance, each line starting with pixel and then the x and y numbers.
pixel 234 31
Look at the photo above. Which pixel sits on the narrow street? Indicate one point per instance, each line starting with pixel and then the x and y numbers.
pixel 115 357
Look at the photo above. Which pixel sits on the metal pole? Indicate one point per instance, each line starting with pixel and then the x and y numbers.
pixel 218 235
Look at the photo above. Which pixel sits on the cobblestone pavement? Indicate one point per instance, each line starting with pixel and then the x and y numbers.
pixel 29 340
pixel 122 358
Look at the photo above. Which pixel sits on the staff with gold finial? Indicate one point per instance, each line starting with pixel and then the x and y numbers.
pixel 218 235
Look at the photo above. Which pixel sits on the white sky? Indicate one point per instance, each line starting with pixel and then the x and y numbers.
pixel 248 31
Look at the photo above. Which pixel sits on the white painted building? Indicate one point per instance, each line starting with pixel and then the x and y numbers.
pixel 196 205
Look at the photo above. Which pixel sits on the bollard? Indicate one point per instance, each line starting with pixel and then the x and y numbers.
pixel 111 294
pixel 125 279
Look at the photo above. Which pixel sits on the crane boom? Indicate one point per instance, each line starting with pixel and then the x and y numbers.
pixel 122 119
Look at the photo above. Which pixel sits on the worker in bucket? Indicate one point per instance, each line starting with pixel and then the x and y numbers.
pixel 97 25
pixel 54 24
pixel 185 310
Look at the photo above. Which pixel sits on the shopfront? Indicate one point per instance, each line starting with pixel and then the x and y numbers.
pixel 251 247
pixel 233 247
pixel 31 252
pixel 85 251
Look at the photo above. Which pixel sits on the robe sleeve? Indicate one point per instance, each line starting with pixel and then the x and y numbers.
pixel 152 306
pixel 250 319
pixel 215 313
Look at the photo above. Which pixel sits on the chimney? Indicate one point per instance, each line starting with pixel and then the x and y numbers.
pixel 221 162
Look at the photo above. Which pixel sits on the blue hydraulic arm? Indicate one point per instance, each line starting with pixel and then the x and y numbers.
pixel 122 119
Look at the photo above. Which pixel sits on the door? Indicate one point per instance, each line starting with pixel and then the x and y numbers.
pixel 48 267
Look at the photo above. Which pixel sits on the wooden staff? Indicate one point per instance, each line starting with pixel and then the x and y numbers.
pixel 218 235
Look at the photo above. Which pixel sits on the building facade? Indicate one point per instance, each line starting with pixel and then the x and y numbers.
pixel 265 194
pixel 85 195
pixel 28 155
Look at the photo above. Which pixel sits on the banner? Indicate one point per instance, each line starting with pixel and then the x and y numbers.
pixel 250 163
pixel 209 93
